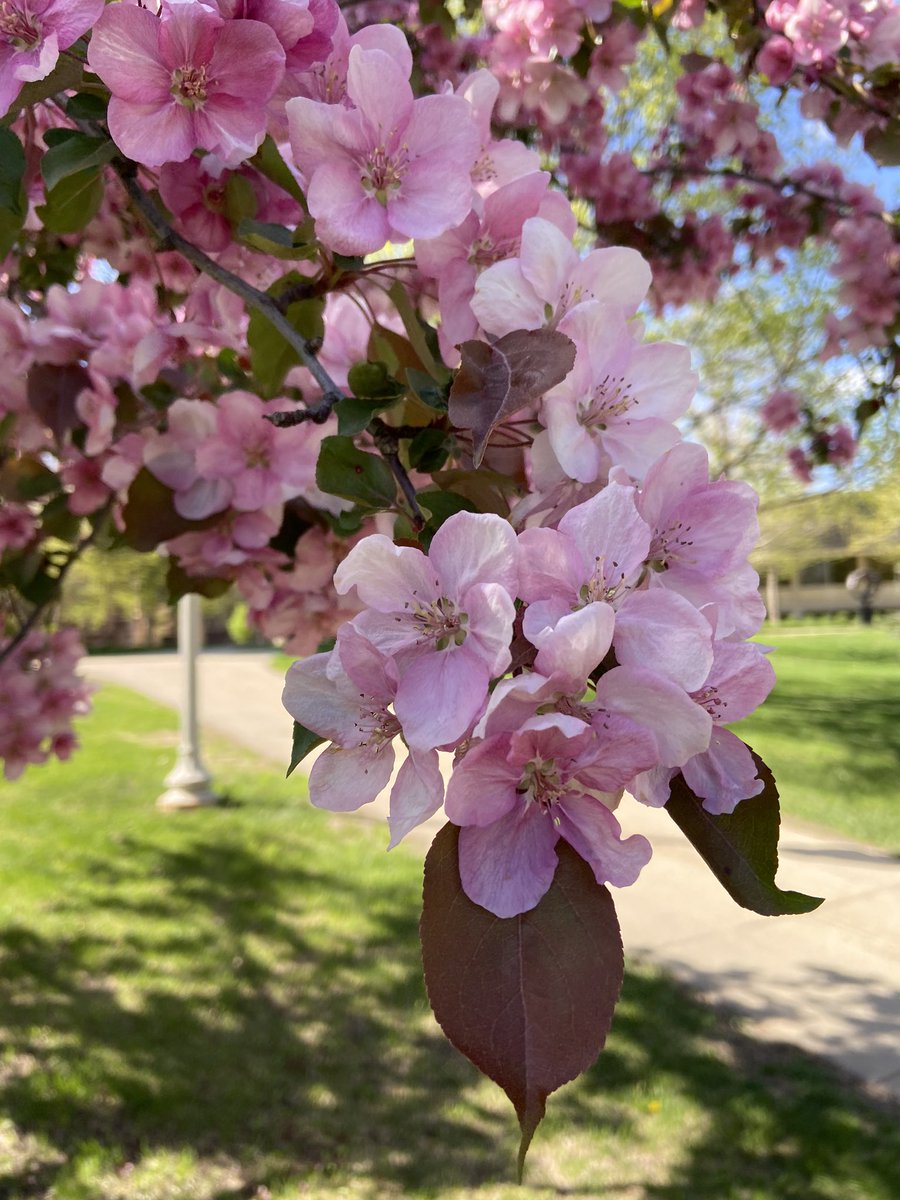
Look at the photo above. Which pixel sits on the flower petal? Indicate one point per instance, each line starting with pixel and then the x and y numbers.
pixel 417 794
pixel 592 830
pixel 508 866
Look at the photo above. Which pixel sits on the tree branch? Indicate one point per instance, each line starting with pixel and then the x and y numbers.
pixel 252 297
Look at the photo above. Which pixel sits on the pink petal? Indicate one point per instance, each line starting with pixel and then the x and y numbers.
pixel 550 565
pixel 504 301
pixel 347 219
pixel 609 526
pixel 668 635
pixel 378 88
pixel 365 665
pixel 417 794
pixel 152 134
pixel 345 780
pixel 472 548
pixel 614 275
pixel 592 830
pixel 313 698
pixel 247 63
pixel 682 728
pixel 491 614
pixel 124 52
pixel 548 259
pixel 387 577
pixel 508 866
pixel 482 788
pixel 577 645
pixel 724 775
pixel 440 696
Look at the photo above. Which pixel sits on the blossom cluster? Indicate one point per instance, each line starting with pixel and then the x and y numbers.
pixel 41 696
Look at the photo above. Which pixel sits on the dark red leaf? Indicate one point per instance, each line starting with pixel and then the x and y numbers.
pixel 528 999
pixel 149 514
pixel 495 381
pixel 741 849
pixel 52 392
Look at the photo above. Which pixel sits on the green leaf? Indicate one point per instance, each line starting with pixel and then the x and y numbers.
pixel 85 107
pixel 66 76
pixel 271 356
pixel 354 414
pixel 304 741
pixel 415 330
pixel 343 470
pixel 71 151
pixel 268 162
pixel 240 199
pixel 371 380
pixel 13 204
pixel 433 395
pixel 741 849
pixel 528 999
pixel 277 240
pixel 74 202
pixel 27 478
pixel 429 449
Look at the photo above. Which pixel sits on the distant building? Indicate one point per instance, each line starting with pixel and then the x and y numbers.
pixel 810 546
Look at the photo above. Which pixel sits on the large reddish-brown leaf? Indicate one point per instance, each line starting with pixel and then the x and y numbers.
pixel 741 849
pixel 494 381
pixel 528 999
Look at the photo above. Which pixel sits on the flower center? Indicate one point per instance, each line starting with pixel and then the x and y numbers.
pixel 606 583
pixel 377 728
pixel 541 783
pixel 669 545
pixel 441 623
pixel 189 86
pixel 383 173
pixel 609 401
pixel 20 29
pixel 708 697
pixel 256 456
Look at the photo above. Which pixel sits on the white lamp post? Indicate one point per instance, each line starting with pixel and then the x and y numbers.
pixel 187 784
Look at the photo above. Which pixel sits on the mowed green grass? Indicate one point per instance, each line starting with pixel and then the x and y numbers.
pixel 830 731
pixel 228 1005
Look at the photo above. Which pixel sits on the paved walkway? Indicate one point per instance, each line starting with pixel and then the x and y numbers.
pixel 828 982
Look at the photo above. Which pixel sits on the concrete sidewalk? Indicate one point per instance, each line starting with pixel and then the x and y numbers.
pixel 828 982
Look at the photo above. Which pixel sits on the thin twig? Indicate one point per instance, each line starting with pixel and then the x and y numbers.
pixel 386 439
pixel 255 299
pixel 34 616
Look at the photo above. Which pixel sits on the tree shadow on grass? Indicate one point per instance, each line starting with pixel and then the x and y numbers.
pixel 315 1058
pixel 314 1055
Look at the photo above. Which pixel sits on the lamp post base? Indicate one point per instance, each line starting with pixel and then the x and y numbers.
pixel 193 796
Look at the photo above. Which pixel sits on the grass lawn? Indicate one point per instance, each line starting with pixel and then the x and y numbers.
pixel 228 1004
pixel 831 729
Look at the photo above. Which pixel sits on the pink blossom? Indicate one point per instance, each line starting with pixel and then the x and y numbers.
pixel 17 526
pixel 41 695
pixel 446 618
pixel 88 491
pixel 782 410
pixel 548 279
pixel 724 774
pixel 841 447
pixel 392 167
pixel 620 401
pixel 800 464
pixel 261 465
pixel 776 60
pixel 345 696
pixel 516 794
pixel 185 80
pixel 32 33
